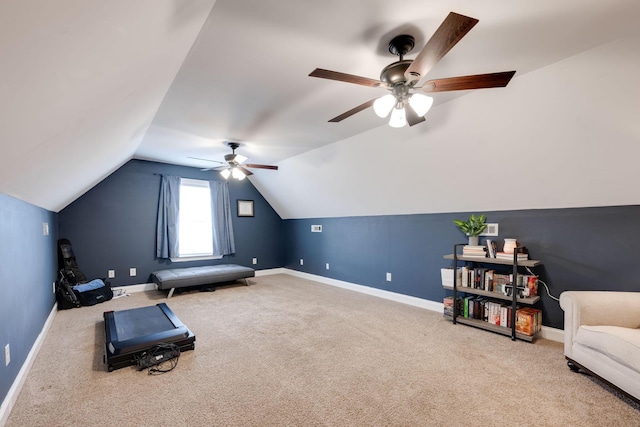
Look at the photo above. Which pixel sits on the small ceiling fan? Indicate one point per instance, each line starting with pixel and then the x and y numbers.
pixel 235 166
pixel 401 77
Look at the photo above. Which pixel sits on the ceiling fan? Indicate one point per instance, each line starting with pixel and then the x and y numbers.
pixel 235 166
pixel 401 77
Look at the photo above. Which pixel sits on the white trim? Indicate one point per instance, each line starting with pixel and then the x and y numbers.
pixel 547 332
pixel 552 334
pixel 393 296
pixel 14 391
pixel 143 287
pixel 271 271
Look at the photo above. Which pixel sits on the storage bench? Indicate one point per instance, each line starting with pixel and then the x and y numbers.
pixel 205 275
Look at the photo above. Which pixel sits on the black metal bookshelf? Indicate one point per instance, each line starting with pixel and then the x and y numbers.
pixel 514 298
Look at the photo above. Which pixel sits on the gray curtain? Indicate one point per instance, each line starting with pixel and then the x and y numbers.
pixel 168 212
pixel 223 241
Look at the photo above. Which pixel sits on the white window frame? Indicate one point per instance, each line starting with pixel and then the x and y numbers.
pixel 198 183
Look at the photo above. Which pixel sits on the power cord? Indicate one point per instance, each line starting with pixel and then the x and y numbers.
pixel 544 284
pixel 159 359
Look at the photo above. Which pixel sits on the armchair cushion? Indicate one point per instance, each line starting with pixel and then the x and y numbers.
pixel 620 344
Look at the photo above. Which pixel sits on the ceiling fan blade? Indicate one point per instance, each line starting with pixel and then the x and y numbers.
pixel 412 117
pixel 478 81
pixel 275 168
pixel 215 168
pixel 348 78
pixel 353 111
pixel 450 32
pixel 245 171
pixel 206 160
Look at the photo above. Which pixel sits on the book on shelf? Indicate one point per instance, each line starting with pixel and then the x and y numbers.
pixel 449 306
pixel 488 280
pixel 474 251
pixel 509 257
pixel 491 248
pixel 528 320
pixel 529 284
pixel 446 275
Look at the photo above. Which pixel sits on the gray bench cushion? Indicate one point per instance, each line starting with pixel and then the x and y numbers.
pixel 194 276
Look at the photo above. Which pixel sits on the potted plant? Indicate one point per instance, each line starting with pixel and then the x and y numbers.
pixel 472 227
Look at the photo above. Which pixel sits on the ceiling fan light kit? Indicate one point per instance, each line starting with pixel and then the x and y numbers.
pixel 401 77
pixel 383 105
pixel 398 117
pixel 420 103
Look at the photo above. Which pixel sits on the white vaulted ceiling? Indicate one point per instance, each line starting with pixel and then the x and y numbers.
pixel 86 86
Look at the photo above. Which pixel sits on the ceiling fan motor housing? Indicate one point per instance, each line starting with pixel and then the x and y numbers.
pixel 400 46
pixel 394 73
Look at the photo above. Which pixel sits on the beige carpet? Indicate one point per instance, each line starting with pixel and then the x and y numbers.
pixel 291 352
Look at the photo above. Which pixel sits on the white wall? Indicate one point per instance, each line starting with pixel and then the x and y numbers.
pixel 567 135
pixel 80 83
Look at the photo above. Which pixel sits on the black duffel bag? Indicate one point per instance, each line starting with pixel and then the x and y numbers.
pixel 93 292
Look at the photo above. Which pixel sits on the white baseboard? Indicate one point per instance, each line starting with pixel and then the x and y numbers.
pixel 271 271
pixel 552 334
pixel 393 296
pixel 14 391
pixel 142 287
pixel 547 332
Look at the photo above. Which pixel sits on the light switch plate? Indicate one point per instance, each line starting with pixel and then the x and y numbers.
pixel 491 230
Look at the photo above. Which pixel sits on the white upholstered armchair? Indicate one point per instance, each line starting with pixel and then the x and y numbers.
pixel 602 336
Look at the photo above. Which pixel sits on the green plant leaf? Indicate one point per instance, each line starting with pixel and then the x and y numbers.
pixel 474 226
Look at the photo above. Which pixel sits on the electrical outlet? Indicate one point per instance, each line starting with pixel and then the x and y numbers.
pixel 254 261
pixel 388 277
pixel 7 355
pixel 132 272
pixel 491 230
pixel 301 261
pixel 112 274
pixel 54 287
pixel 327 265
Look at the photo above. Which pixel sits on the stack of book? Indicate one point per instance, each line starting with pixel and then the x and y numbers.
pixel 509 256
pixel 474 251
pixel 449 306
pixel 528 320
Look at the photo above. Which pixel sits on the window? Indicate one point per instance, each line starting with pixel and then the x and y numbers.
pixel 195 220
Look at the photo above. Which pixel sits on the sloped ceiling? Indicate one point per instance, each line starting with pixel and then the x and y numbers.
pixel 86 86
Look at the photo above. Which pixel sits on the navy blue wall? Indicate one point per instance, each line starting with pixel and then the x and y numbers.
pixel 581 249
pixel 113 226
pixel 27 272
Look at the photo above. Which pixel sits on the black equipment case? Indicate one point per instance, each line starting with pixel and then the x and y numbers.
pixel 72 278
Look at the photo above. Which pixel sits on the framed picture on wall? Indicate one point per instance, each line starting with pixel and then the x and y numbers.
pixel 245 207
